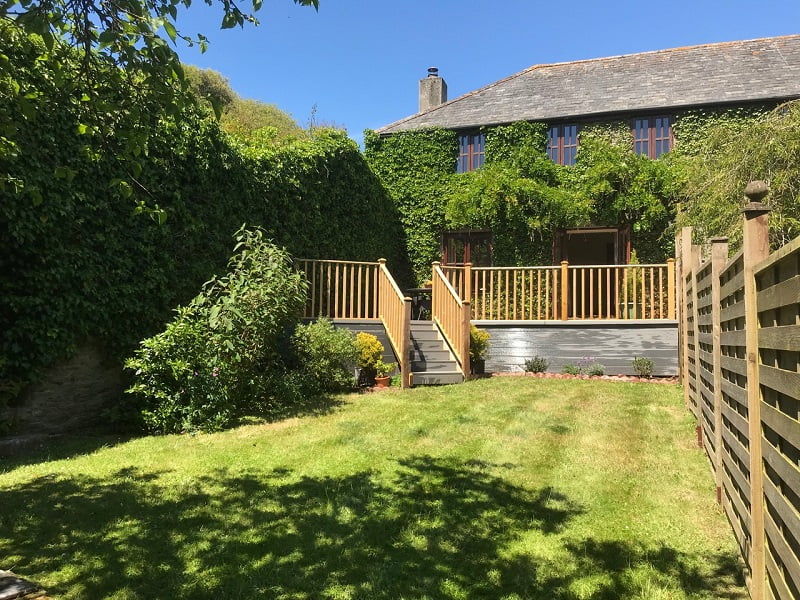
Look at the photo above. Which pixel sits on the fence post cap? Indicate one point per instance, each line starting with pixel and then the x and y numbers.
pixel 382 261
pixel 719 240
pixel 437 263
pixel 756 190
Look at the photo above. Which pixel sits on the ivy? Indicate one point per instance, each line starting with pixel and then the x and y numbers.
pixel 77 260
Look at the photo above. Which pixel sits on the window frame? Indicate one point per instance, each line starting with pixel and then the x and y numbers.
pixel 651 144
pixel 559 151
pixel 471 151
pixel 469 238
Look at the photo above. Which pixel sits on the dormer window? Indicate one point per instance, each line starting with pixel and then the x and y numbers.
pixel 652 136
pixel 562 144
pixel 471 152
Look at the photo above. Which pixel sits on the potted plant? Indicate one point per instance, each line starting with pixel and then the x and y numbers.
pixel 370 351
pixel 382 371
pixel 478 346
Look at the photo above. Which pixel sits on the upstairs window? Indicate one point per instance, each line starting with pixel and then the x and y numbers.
pixel 652 136
pixel 562 144
pixel 471 152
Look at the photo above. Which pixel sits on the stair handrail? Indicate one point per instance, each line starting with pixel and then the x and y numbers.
pixel 394 310
pixel 452 315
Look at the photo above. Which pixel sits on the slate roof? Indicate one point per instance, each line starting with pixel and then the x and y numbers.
pixel 730 72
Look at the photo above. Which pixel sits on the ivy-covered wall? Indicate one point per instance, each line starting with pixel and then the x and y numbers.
pixel 79 263
pixel 523 197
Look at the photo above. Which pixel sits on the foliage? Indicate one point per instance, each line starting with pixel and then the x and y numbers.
pixel 595 369
pixel 521 195
pixel 79 264
pixel 537 364
pixel 218 355
pixel 643 366
pixel 113 43
pixel 478 343
pixel 382 369
pixel 571 369
pixel 211 86
pixel 245 117
pixel 734 152
pixel 417 169
pixel 369 349
pixel 326 355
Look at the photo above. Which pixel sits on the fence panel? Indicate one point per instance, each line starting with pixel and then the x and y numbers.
pixel 778 301
pixel 705 358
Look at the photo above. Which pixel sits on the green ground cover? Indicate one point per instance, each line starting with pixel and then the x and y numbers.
pixel 500 488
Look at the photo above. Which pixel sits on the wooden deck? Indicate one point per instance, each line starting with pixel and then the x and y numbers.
pixel 568 314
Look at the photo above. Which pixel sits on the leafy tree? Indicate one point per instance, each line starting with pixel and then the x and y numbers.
pixel 116 43
pixel 715 176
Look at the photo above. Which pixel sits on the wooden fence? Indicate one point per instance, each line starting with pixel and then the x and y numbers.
pixel 567 292
pixel 360 290
pixel 740 352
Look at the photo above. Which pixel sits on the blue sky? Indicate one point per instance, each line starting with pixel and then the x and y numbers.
pixel 359 62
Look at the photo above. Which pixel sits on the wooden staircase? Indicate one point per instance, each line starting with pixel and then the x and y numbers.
pixel 432 363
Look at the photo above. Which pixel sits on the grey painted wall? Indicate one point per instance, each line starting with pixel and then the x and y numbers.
pixel 611 343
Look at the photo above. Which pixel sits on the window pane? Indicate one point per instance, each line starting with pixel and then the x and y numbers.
pixel 569 155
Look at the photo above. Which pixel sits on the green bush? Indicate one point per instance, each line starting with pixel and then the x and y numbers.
pixel 326 355
pixel 571 369
pixel 643 366
pixel 478 343
pixel 595 369
pixel 369 349
pixel 537 364
pixel 220 354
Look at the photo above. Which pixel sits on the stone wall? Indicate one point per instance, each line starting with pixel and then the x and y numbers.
pixel 70 396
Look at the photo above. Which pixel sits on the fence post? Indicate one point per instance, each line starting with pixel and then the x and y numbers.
pixel 683 245
pixel 564 289
pixel 756 249
pixel 670 288
pixel 466 322
pixel 719 257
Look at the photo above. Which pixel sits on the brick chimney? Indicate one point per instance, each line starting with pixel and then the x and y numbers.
pixel 432 90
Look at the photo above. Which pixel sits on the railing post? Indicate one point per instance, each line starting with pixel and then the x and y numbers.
pixel 380 299
pixel 719 257
pixel 756 249
pixel 467 282
pixel 670 288
pixel 405 359
pixel 466 321
pixel 564 289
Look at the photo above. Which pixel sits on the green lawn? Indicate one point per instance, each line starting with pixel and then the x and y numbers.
pixel 500 488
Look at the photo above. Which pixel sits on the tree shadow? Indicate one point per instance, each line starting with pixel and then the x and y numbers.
pixel 434 528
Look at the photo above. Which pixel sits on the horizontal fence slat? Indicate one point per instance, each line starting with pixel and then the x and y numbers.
pixel 776 579
pixel 781 549
pixel 781 294
pixel 734 365
pixel 784 337
pixel 738 395
pixel 782 467
pixel 739 478
pixel 785 382
pixel 731 312
pixel 735 446
pixel 780 423
pixel 732 338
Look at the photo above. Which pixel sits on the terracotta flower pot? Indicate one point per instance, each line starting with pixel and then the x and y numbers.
pixel 382 382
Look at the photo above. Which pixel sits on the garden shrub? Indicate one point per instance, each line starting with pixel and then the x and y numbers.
pixel 326 355
pixel 478 343
pixel 220 354
pixel 370 352
pixel 643 366
pixel 571 369
pixel 537 364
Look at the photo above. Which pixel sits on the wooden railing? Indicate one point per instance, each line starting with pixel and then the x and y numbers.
pixel 452 315
pixel 340 289
pixel 394 309
pixel 360 290
pixel 740 343
pixel 567 292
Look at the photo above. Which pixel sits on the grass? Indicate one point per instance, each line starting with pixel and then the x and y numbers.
pixel 501 488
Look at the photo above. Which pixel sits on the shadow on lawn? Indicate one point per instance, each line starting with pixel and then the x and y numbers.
pixel 439 529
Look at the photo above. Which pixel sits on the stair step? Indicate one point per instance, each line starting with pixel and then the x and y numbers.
pixel 438 366
pixel 435 354
pixel 437 378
